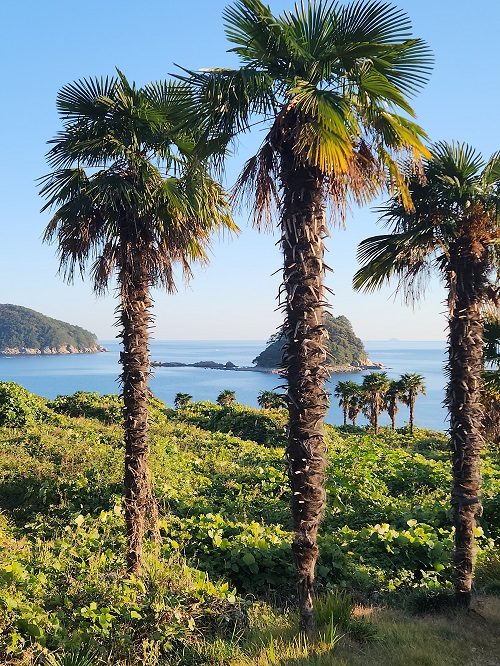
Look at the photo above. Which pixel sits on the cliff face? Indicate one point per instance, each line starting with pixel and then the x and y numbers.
pixel 24 331
pixel 345 348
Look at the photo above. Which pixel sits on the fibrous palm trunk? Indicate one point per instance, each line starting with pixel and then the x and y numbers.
pixel 393 418
pixel 135 319
pixel 466 280
pixel 304 361
pixel 374 415
pixel 411 403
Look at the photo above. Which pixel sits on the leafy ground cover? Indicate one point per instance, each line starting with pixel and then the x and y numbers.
pixel 219 576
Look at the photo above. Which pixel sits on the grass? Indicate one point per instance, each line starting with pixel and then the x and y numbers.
pixel 401 639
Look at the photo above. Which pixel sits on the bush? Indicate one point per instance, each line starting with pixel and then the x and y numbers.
pixel 19 407
pixel 105 408
pixel 261 426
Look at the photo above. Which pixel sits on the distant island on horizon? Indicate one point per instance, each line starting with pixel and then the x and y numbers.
pixel 25 332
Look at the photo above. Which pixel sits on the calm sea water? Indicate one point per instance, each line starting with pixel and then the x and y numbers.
pixel 54 375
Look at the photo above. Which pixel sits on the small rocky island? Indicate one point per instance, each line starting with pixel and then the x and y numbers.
pixel 347 353
pixel 27 332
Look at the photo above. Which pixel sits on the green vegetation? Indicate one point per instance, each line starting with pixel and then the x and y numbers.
pixel 344 347
pixel 24 328
pixel 218 579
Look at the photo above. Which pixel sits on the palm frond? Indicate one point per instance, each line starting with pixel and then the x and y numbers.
pixel 404 256
pixel 256 33
pixel 130 183
pixel 257 186
pixel 225 100
pixel 86 99
pixel 491 172
pixel 381 33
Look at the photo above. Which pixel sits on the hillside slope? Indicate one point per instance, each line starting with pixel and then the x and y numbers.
pixel 344 346
pixel 24 331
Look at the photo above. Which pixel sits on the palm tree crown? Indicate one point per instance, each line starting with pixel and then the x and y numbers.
pixel 458 196
pixel 331 81
pixel 121 156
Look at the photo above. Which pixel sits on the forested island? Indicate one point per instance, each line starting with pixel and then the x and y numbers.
pixel 347 353
pixel 25 331
pixel 345 348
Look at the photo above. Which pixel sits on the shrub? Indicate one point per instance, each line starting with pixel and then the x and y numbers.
pixel 264 427
pixel 105 408
pixel 19 407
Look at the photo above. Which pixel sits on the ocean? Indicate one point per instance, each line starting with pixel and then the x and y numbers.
pixel 57 375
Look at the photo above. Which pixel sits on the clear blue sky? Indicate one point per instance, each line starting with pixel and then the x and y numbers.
pixel 47 44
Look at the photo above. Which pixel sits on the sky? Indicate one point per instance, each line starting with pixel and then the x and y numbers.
pixel 44 45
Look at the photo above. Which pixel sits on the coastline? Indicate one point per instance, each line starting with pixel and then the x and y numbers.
pixel 212 365
pixel 63 350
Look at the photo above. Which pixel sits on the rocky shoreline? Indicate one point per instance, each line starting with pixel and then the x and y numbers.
pixel 51 351
pixel 212 365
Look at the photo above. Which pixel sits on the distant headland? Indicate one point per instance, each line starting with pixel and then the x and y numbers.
pixel 27 332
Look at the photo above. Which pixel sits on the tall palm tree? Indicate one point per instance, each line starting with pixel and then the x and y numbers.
pixel 392 396
pixel 412 384
pixel 330 84
pixel 344 392
pixel 356 404
pixel 375 386
pixel 132 197
pixel 454 227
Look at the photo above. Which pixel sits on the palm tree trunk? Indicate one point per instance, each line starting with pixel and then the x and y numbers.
pixel 375 419
pixel 304 362
pixel 466 279
pixel 135 319
pixel 345 414
pixel 412 411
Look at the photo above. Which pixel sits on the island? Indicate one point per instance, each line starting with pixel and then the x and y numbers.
pixel 27 332
pixel 346 351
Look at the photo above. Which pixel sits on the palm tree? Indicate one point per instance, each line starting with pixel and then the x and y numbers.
pixel 226 398
pixel 330 84
pixel 412 384
pixel 271 400
pixel 182 400
pixel 453 227
pixel 356 404
pixel 375 386
pixel 392 397
pixel 345 391
pixel 132 197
